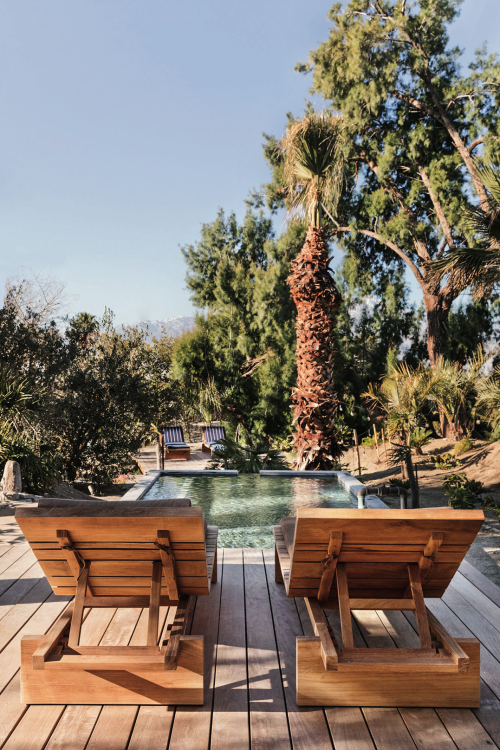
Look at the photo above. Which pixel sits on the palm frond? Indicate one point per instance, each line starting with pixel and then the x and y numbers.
pixel 314 153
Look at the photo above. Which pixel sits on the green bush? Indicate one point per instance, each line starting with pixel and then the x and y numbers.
pixel 420 437
pixel 464 493
pixel 494 435
pixel 446 461
pixel 368 441
pixel 466 444
pixel 248 458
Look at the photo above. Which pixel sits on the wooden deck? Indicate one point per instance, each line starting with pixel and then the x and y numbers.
pixel 250 628
pixel 146 460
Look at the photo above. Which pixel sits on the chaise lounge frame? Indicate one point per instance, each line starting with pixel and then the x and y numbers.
pixel 379 560
pixel 89 553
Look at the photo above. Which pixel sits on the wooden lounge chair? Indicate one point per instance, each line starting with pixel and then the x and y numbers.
pixel 175 446
pixel 118 554
pixel 211 437
pixel 383 560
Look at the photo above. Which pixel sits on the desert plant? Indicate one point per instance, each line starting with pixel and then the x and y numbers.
pixel 249 457
pixel 402 396
pixel 368 441
pixel 466 444
pixel 446 461
pixel 464 493
pixel 454 393
pixel 488 400
pixel 420 437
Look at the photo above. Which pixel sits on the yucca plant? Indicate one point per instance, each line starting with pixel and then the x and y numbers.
pixel 488 401
pixel 401 396
pixel 313 152
pixel 480 264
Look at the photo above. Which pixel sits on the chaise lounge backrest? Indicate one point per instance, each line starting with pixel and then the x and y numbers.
pixel 376 547
pixel 118 541
pixel 173 436
pixel 213 434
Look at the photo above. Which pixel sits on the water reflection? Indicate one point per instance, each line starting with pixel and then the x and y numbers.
pixel 246 507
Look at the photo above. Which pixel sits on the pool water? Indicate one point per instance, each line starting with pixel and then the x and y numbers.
pixel 245 507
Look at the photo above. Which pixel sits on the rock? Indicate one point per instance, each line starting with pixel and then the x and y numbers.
pixel 11 480
pixel 11 495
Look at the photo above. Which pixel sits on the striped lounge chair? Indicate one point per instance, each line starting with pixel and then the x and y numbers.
pixel 175 446
pixel 211 438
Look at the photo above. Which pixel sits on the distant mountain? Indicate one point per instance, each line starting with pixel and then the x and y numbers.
pixel 173 326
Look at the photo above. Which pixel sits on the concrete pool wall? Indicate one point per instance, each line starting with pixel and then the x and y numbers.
pixel 349 482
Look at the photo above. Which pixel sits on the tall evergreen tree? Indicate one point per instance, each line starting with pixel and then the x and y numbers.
pixel 413 121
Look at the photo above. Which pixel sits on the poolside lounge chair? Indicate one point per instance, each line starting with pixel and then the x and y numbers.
pixel 382 560
pixel 211 438
pixel 175 447
pixel 119 554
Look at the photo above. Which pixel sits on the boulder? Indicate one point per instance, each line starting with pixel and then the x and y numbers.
pixel 11 480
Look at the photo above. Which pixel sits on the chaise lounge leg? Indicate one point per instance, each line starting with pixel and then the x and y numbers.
pixel 278 575
pixel 214 568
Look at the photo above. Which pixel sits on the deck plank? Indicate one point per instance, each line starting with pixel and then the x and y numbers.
pixel 308 726
pixel 480 581
pixel 22 612
pixel 74 728
pixel 488 609
pixel 230 712
pixel 426 729
pixel 35 728
pixel 11 708
pixel 191 724
pixel 349 729
pixel 41 621
pixel 268 722
pixel 388 729
pixel 152 728
pixel 19 589
pixel 475 621
pixel 113 728
pixel 15 552
pixel 465 729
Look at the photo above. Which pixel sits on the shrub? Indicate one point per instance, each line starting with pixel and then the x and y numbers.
pixel 368 441
pixel 464 493
pixel 248 458
pixel 420 437
pixel 463 446
pixel 446 461
pixel 494 435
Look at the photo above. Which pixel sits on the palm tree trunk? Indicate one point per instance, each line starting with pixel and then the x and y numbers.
pixel 315 401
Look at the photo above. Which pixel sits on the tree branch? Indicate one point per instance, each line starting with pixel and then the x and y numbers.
pixel 389 244
pixel 474 144
pixel 437 207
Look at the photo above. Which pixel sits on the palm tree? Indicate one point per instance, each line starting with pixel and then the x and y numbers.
pixel 313 154
pixel 480 264
pixel 454 392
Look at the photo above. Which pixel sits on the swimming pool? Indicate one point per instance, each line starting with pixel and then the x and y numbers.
pixel 245 507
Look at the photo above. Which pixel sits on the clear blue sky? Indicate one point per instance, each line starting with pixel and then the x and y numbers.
pixel 125 124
